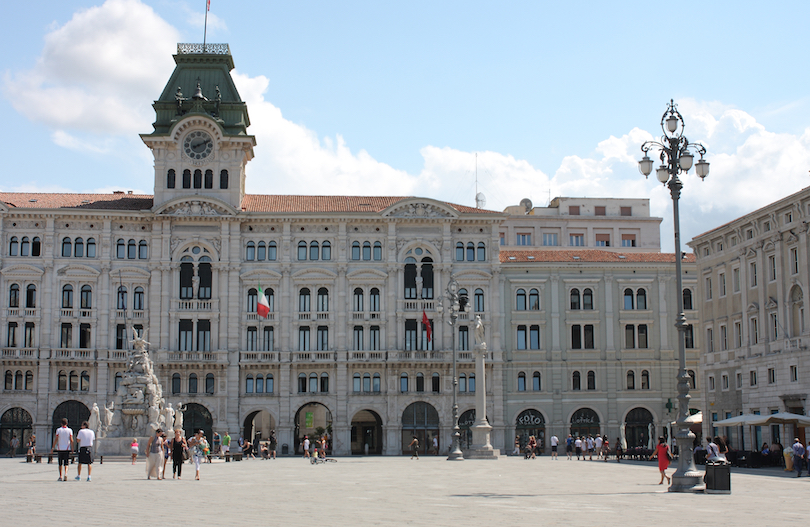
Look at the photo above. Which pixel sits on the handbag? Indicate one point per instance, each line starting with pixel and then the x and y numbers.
pixel 185 454
pixel 669 455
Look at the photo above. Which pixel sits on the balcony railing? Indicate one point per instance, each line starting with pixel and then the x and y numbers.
pixel 75 354
pixel 258 356
pixel 419 305
pixel 420 355
pixel 17 353
pixel 367 355
pixel 313 356
pixel 255 316
pixel 193 356
pixel 195 305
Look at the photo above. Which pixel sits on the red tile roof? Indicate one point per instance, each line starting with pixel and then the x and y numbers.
pixel 251 202
pixel 588 255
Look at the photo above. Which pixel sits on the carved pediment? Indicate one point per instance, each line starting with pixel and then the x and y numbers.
pixel 22 271
pixel 193 207
pixel 751 252
pixel 791 236
pixel 129 273
pixel 753 307
pixel 419 209
pixel 78 271
pixel 315 274
pixel 260 274
pixel 771 303
pixel 367 274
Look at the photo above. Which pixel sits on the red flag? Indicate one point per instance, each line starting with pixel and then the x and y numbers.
pixel 426 323
pixel 208 5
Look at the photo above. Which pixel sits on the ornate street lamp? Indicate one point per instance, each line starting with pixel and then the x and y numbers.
pixel 455 306
pixel 676 157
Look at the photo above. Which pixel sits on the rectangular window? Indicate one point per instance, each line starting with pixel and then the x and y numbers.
pixel 630 336
pixel 203 335
pixel 754 331
pixel 709 340
pixel 708 283
pixel 11 341
pixel 502 239
pixel 186 335
pixel 323 338
pixel 357 338
pixel 794 373
pixel 303 339
pixel 524 239
pixel 721 281
pixel 752 267
pixel 774 326
pixel 268 339
pixel 550 239
pixel 752 377
pixel 789 217
pixel 642 336
pixel 723 338
pixel 521 337
pixel 689 337
pixel 534 337
pixel 120 336
pixel 374 338
pixel 724 381
pixel 733 241
pixel 84 336
pixel 29 335
pixel 588 336
pixel 576 337
pixel 252 338
pixel 737 334
pixel 573 210
pixel 771 375
pixel 576 240
pixel 603 240
pixel 771 268
pixel 628 240
pixel 66 340
pixel 463 338
pixel 627 211
pixel 739 380
pixel 411 341
pixel 794 260
pixel 599 210
pixel 711 383
pixel 735 280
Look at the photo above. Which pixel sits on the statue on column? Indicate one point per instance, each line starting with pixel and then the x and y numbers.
pixel 478 325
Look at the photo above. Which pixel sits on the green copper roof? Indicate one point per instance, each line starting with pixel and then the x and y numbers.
pixel 209 69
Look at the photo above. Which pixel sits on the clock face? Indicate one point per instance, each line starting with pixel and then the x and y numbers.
pixel 198 145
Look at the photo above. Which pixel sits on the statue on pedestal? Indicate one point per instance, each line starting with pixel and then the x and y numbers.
pixel 94 421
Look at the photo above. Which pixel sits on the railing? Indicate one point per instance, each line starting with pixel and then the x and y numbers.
pixel 15 353
pixel 196 356
pixel 323 316
pixel 31 312
pixel 257 356
pixel 255 316
pixel 79 354
pixel 66 313
pixel 420 355
pixel 137 314
pixel 412 305
pixel 308 356
pixel 375 315
pixel 13 312
pixel 120 313
pixel 358 315
pixel 367 355
pixel 86 313
pixel 304 316
pixel 419 305
pixel 213 49
pixel 117 354
pixel 194 305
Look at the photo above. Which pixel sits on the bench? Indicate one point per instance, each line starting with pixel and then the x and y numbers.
pixel 52 456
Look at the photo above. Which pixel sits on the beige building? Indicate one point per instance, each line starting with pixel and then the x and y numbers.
pixel 753 326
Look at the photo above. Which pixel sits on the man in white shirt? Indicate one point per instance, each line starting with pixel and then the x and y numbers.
pixel 590 448
pixel 306 446
pixel 63 444
pixel 578 447
pixel 597 443
pixel 86 438
pixel 554 442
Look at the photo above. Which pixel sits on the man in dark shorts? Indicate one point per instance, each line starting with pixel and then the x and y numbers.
pixel 85 438
pixel 272 446
pixel 63 444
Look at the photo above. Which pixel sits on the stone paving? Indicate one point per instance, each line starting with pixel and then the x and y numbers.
pixel 392 491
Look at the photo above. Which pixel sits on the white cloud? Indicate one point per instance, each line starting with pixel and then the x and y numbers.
pixel 66 140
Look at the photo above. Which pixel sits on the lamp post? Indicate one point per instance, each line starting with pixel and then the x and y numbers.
pixel 453 309
pixel 676 157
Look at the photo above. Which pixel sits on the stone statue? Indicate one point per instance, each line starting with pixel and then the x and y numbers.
pixel 109 414
pixel 217 101
pixel 94 421
pixel 154 416
pixel 168 417
pixel 178 96
pixel 178 416
pixel 479 333
pixel 139 343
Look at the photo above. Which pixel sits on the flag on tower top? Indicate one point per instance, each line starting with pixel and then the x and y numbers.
pixel 426 323
pixel 263 307
pixel 208 5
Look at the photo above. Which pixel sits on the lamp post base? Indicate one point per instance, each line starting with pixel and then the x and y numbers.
pixel 455 452
pixel 687 478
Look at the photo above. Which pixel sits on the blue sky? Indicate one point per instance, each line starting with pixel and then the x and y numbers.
pixel 396 99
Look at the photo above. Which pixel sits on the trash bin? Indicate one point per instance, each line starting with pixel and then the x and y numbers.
pixel 718 478
pixel 285 449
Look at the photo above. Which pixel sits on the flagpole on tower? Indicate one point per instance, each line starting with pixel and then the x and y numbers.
pixel 205 28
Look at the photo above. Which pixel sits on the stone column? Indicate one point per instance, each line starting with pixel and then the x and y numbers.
pixel 481 447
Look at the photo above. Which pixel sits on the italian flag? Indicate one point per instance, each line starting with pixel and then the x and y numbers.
pixel 263 307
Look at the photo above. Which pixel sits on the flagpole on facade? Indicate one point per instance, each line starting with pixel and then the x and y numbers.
pixel 205 28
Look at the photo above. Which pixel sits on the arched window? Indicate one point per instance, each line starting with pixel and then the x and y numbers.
pixel 323 299
pixel 14 295
pixel 62 382
pixel 120 249
pixel 462 383
pixel 209 383
pixel 645 380
pixel 366 251
pixel 209 178
pixel 534 300
pixel 356 383
pixel 520 300
pixel 355 250
pixel 521 385
pixel 435 382
pixel 459 252
pixel 198 178
pixel 470 252
pixel 628 298
pixel 471 382
pixel 366 382
pixel 271 251
pixel 303 300
pixel 575 299
pixel 591 380
pixel 641 299
pixel 420 382
pixel 186 178
pixel 186 279
pixel 25 246
pixel 270 295
pixel 536 381
pixel 137 299
pixel 261 251
pixel 249 384
pixel 74 381
pixel 482 252
pixel 223 180
pixel 250 251
pixel 357 300
pixel 143 250
pixel 9 383
pixel 85 382
pixel 313 382
pixel 131 249
pixel 403 382
pixel 67 247
pixel 313 250
pixel 427 276
pixel 259 383
pixel 587 299
pixel 377 251
pixel 326 251
pixel 324 383
pixel 120 377
pixel 302 250
pixel 176 383
pixel 576 382
pixel 631 380
pixel 31 296
pixel 170 178
pixel 36 247
pixel 268 384
pixel 375 383
pixel 192 383
pixel 122 298
pixel 252 300
pixel 13 246
pixel 67 297
pixel 479 301
pixel 29 380
pixel 687 299
pixel 374 300
pixel 78 248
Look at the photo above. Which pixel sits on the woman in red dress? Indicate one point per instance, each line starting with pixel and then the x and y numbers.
pixel 662 453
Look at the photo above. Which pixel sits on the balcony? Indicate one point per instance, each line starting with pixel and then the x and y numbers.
pixel 419 305
pixel 420 355
pixel 119 355
pixel 313 356
pixel 18 312
pixel 257 356
pixel 73 354
pixel 367 356
pixel 195 305
pixel 192 356
pixel 16 353
pixel 251 317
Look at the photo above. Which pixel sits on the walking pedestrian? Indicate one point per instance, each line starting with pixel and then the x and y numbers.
pixel 305 446
pixel 226 444
pixel 597 446
pixel 569 446
pixel 198 445
pixel 663 455
pixel 167 451
pixel 32 446
pixel 435 446
pixel 15 444
pixel 554 442
pixel 63 444
pixel 619 450
pixel 179 447
pixel 133 449
pixel 531 448
pixel 273 443
pixel 414 444
pixel 798 457
pixel 578 447
pixel 605 448
pixel 217 442
pixel 590 447
pixel 154 454
pixel 86 438
pixel 516 451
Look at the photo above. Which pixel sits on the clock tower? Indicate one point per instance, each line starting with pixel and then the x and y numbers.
pixel 200 141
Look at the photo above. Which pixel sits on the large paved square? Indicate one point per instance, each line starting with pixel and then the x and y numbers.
pixel 392 491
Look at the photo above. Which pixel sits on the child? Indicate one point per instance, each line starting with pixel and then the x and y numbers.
pixel 133 448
